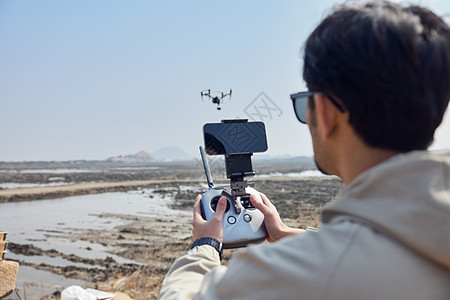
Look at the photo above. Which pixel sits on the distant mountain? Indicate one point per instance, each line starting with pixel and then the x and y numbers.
pixel 302 159
pixel 171 153
pixel 138 157
pixel 287 157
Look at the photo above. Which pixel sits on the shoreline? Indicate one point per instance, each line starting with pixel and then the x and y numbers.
pixel 52 192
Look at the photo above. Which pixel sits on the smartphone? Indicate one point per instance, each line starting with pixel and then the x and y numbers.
pixel 234 137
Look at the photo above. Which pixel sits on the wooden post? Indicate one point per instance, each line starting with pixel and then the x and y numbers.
pixel 8 270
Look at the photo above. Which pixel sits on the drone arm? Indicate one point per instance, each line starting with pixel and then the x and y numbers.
pixel 229 94
pixel 207 95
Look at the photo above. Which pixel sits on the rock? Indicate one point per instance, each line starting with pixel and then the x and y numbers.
pixel 122 296
pixel 8 274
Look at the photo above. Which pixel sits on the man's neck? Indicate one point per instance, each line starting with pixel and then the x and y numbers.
pixel 355 162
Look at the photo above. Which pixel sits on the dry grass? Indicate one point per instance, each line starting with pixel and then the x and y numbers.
pixel 139 285
pixel 310 217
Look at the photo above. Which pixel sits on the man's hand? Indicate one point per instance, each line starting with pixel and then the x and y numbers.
pixel 276 229
pixel 212 228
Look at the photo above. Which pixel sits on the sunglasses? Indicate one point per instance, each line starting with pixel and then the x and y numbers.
pixel 300 102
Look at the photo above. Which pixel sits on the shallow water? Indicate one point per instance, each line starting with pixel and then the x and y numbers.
pixel 307 173
pixel 74 170
pixel 36 221
pixel 52 171
pixel 16 185
pixel 47 223
pixel 32 283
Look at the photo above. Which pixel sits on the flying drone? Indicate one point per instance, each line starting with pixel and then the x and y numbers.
pixel 215 99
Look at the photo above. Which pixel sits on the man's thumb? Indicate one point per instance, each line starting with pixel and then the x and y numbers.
pixel 221 206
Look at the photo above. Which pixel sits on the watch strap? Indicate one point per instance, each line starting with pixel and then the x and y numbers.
pixel 209 241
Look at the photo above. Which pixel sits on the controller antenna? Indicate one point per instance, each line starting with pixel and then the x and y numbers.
pixel 206 168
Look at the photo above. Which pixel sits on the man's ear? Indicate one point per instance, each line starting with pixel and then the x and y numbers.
pixel 326 115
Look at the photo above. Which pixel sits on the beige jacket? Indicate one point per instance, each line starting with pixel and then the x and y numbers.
pixel 387 236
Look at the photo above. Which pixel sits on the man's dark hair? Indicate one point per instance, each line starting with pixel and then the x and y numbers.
pixel 390 67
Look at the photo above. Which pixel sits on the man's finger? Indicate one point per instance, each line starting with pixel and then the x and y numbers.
pixel 257 203
pixel 266 200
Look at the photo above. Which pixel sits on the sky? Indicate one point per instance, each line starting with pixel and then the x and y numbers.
pixel 93 79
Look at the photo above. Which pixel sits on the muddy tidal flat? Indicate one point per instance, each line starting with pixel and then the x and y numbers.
pixel 118 228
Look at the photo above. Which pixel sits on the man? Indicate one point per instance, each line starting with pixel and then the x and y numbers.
pixel 378 76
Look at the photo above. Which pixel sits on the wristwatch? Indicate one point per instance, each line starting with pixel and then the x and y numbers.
pixel 209 241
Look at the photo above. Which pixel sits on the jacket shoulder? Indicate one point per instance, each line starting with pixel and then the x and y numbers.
pixel 297 265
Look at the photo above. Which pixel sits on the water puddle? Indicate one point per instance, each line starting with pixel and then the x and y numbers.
pixel 33 283
pixel 302 174
pixel 15 185
pixel 58 223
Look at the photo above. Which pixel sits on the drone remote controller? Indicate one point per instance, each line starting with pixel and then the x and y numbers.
pixel 242 222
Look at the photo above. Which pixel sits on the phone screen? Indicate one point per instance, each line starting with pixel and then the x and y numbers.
pixel 234 137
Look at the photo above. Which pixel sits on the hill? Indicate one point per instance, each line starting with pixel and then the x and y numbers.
pixel 171 154
pixel 141 156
